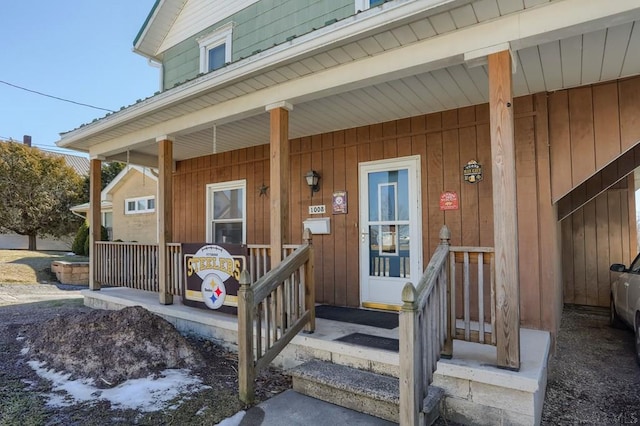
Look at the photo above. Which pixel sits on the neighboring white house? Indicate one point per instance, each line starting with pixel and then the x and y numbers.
pixel 128 205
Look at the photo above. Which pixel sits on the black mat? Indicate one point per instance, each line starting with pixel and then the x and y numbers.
pixel 388 320
pixel 371 341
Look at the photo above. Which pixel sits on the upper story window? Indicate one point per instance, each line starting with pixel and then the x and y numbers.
pixel 140 205
pixel 215 48
pixel 367 4
pixel 226 212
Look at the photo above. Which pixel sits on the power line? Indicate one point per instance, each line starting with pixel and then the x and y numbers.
pixel 54 97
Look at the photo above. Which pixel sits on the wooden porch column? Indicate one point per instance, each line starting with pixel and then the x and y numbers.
pixel 95 219
pixel 165 216
pixel 279 178
pixel 505 214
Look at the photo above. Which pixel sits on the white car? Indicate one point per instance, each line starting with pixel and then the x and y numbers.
pixel 625 298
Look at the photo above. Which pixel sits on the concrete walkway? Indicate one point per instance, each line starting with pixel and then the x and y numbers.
pixel 292 409
pixel 17 294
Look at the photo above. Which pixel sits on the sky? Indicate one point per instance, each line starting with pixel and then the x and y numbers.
pixel 74 49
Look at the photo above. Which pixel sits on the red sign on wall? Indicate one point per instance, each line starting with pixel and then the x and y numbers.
pixel 449 201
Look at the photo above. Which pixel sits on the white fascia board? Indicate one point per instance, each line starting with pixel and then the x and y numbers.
pixel 520 30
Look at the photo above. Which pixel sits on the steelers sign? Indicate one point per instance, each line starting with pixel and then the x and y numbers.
pixel 211 274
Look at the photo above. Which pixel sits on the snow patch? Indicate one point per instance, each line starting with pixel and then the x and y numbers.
pixel 145 394
pixel 233 420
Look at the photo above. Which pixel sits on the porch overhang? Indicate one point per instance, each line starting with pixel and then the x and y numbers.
pixel 337 80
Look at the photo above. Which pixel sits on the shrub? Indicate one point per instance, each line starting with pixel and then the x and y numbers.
pixel 81 242
pixel 78 246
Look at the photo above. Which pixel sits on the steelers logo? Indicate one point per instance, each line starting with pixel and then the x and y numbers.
pixel 213 291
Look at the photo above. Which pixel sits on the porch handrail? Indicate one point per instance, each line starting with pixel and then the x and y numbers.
pixel 424 332
pixel 273 311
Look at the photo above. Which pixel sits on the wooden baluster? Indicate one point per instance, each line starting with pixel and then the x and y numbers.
pixel 480 297
pixel 450 284
pixel 246 373
pixel 309 284
pixel 467 302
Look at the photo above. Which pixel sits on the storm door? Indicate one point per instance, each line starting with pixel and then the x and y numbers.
pixel 390 230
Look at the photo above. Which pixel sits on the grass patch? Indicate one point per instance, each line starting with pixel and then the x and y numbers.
pixel 19 407
pixel 29 267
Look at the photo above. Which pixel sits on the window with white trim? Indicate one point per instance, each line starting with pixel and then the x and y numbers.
pixel 367 4
pixel 215 48
pixel 140 205
pixel 226 212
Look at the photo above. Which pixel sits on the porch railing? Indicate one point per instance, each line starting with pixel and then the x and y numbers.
pixel 260 258
pixel 135 265
pixel 272 311
pixel 429 320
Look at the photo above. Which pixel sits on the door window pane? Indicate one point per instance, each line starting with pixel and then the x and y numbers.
pixel 389 195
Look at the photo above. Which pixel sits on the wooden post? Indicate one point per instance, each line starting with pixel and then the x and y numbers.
pixel 279 178
pixel 165 216
pixel 309 284
pixel 411 378
pixel 95 217
pixel 447 349
pixel 245 339
pixel 505 217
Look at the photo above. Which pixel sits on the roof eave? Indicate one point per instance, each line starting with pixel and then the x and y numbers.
pixel 347 28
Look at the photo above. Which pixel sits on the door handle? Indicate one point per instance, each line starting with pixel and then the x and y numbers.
pixel 626 284
pixel 363 234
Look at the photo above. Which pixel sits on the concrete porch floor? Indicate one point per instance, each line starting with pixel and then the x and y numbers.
pixel 476 391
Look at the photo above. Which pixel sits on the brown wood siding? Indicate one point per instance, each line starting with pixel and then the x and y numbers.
pixel 588 128
pixel 445 141
pixel 191 178
pixel 595 236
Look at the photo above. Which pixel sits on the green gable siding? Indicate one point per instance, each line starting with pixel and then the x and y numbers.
pixel 257 28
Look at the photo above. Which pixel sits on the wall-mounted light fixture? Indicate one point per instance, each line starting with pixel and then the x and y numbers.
pixel 313 178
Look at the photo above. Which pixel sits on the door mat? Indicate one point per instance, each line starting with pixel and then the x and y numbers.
pixel 371 341
pixel 388 320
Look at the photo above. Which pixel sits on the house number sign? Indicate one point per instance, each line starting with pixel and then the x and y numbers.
pixel 317 209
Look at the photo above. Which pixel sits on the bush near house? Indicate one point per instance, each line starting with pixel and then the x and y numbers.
pixel 81 242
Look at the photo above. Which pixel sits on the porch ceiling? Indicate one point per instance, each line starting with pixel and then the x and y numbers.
pixel 601 50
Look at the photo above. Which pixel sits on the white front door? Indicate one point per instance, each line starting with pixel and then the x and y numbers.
pixel 390 230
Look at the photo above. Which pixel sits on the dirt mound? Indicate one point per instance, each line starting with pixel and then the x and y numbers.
pixel 111 347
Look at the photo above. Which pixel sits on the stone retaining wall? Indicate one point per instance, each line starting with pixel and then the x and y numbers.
pixel 71 272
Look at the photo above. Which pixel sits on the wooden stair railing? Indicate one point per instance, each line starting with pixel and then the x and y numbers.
pixel 273 311
pixel 428 317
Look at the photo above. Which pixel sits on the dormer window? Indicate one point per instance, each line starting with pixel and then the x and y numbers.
pixel 367 4
pixel 215 48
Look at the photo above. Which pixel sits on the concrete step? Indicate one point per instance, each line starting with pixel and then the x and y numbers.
pixel 358 390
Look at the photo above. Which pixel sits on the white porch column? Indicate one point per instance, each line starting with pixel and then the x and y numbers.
pixel 279 178
pixel 165 215
pixel 95 220
pixel 505 214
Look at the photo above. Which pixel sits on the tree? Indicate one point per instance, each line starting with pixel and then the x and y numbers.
pixel 108 172
pixel 36 190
